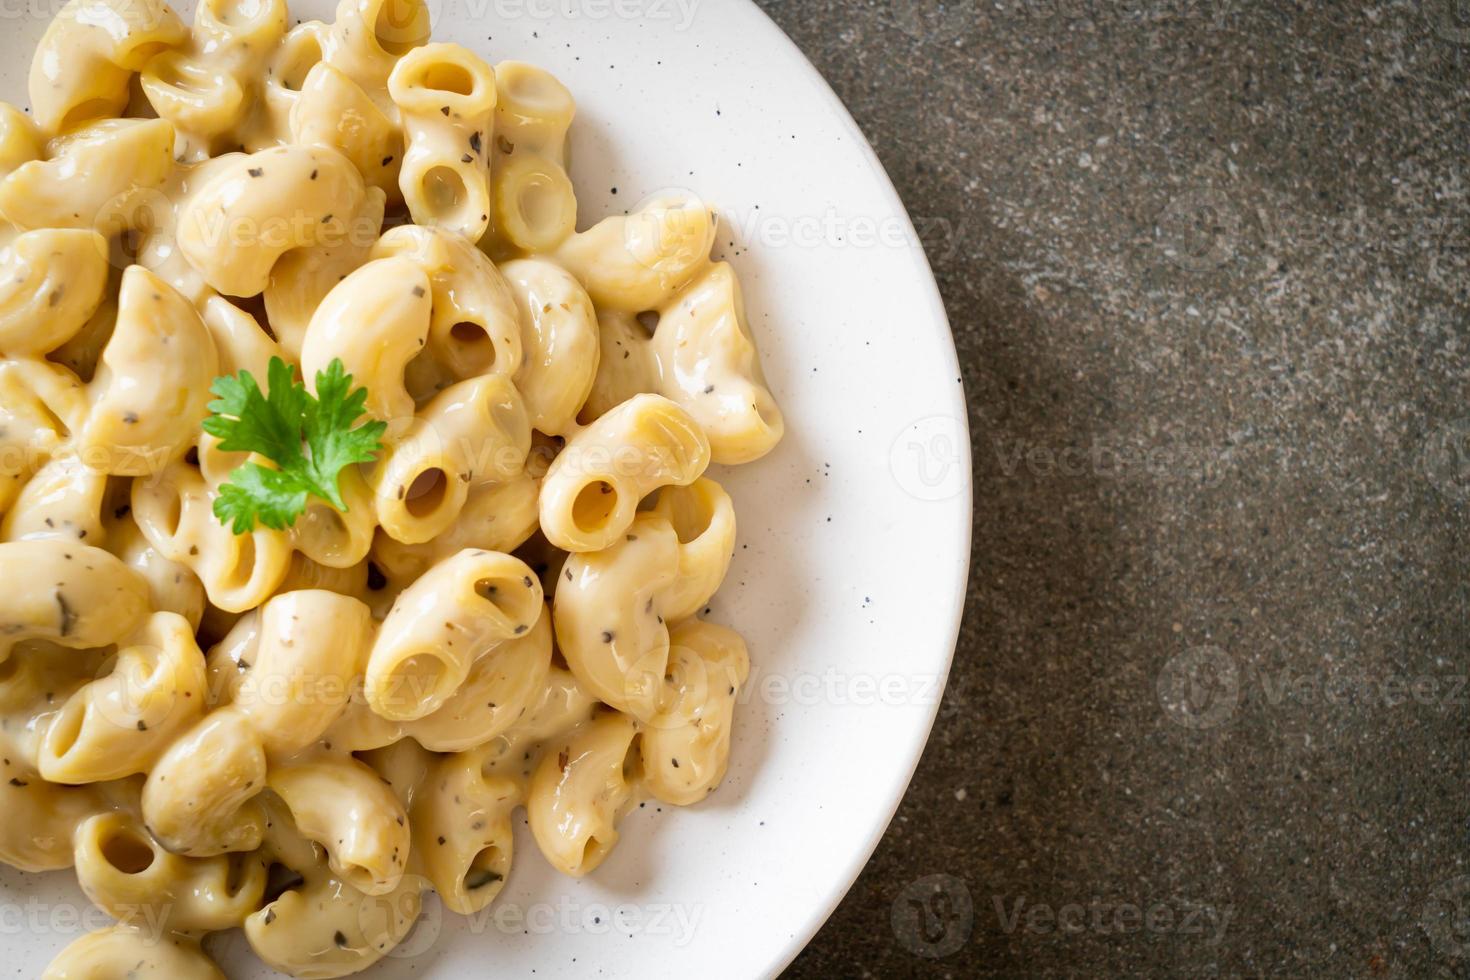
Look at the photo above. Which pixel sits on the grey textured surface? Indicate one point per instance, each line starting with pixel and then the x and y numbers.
pixel 1206 266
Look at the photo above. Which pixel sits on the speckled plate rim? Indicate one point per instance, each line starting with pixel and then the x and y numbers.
pixel 939 317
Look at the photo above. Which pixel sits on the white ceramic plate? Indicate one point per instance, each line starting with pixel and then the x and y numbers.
pixel 854 535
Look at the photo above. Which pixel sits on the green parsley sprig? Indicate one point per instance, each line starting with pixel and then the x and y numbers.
pixel 310 439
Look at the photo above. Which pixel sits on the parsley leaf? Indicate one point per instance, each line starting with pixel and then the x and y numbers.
pixel 310 439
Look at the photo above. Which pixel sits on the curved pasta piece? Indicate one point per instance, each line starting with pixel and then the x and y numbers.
pixel 473 433
pixel 36 834
pixel 334 538
pixel 327 928
pixel 360 729
pixel 301 279
pixel 462 831
pixel 686 747
pixel 609 620
pixel 51 282
pixel 534 110
pixel 495 517
pixel 120 724
pixel 298 53
pixel 638 262
pixel 625 368
pixel 130 876
pixel 229 660
pixel 262 205
pixel 62 500
pixel 474 328
pixel 238 339
pixel 459 611
pixel 239 572
pixel 144 227
pixel 333 110
pixel 19 141
pixel 368 37
pixel 199 99
pixel 91 176
pixel 35 680
pixel 404 768
pixel 172 586
pixel 582 788
pixel 254 27
pixel 41 405
pixel 310 647
pixel 82 66
pixel 561 340
pixel 81 353
pixel 306 574
pixel 563 706
pixel 207 89
pixel 703 519
pixel 592 490
pixel 710 366
pixel 68 593
pixel 375 321
pixel 535 205
pixel 321 926
pixel 213 463
pixel 152 387
pixel 200 797
pixel 446 98
pixel 132 952
pixel 498 692
pixel 612 606
pixel 343 806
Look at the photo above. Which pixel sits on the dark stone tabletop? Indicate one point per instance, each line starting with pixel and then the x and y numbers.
pixel 1206 265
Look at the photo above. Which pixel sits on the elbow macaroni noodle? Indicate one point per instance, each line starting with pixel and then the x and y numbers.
pixel 297 732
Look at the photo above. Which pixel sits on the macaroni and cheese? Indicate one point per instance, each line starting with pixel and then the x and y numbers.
pixel 351 498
